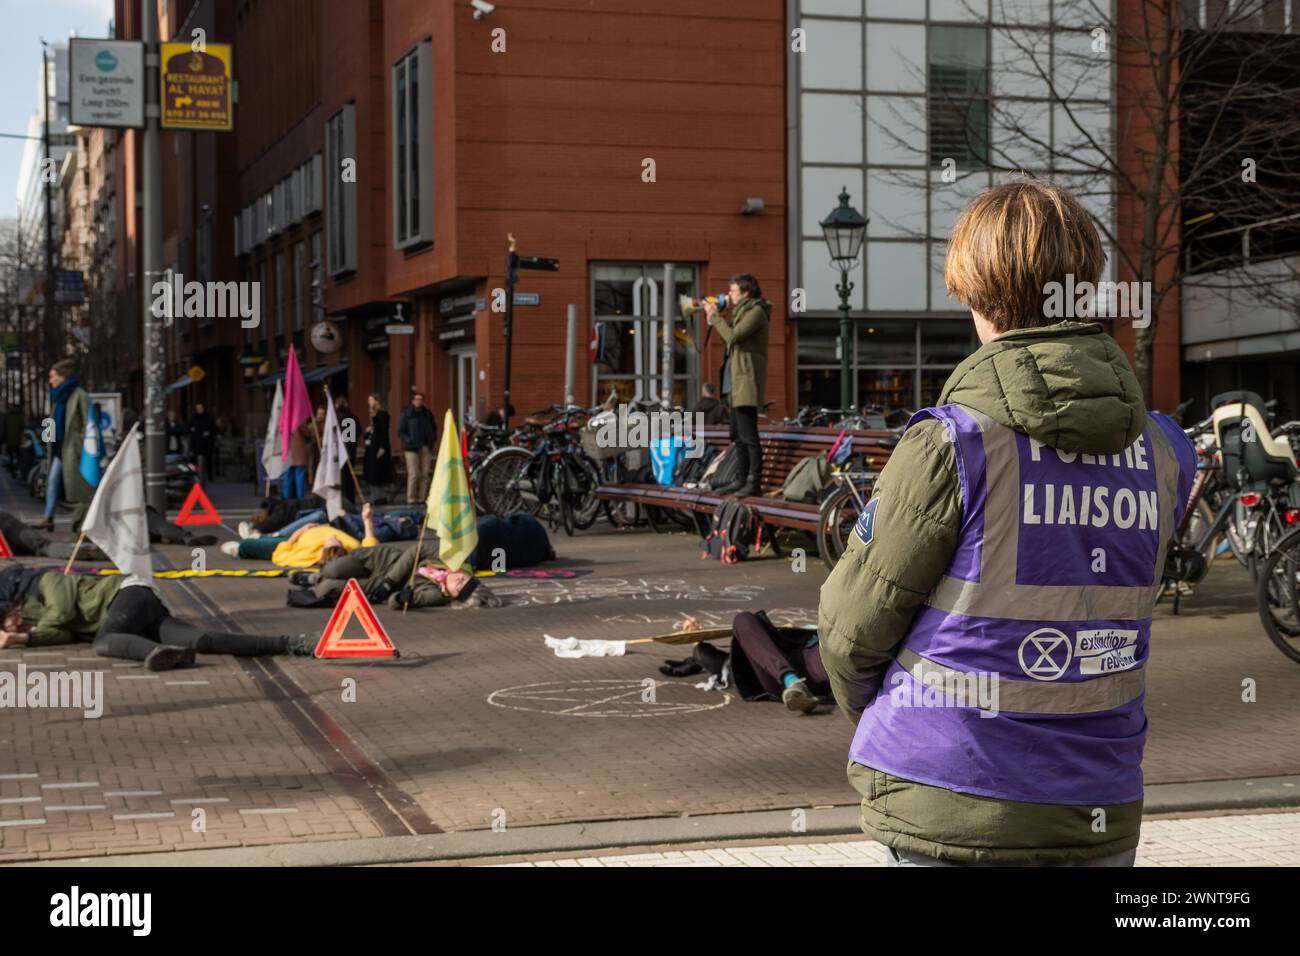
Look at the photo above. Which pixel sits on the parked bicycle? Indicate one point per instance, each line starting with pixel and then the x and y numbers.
pixel 555 480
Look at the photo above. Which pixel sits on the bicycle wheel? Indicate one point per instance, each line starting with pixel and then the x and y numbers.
pixel 623 514
pixel 836 518
pixel 587 506
pixel 567 515
pixel 1277 595
pixel 1272 528
pixel 502 486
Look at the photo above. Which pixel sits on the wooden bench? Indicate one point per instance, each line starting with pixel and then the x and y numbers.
pixel 783 447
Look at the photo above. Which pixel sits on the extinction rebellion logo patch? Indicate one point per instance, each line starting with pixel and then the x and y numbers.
pixel 866 526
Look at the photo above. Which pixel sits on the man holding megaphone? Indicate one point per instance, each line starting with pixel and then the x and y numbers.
pixel 744 373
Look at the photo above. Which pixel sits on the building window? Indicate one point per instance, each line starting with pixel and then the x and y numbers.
pixel 280 290
pixel 341 195
pixel 413 148
pixel 299 264
pixel 627 309
pixel 317 287
pixel 959 89
pixel 899 365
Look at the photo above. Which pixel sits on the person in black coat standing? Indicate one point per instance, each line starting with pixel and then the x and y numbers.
pixel 203 440
pixel 378 467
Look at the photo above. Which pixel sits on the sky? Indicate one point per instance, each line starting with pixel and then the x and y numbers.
pixel 22 25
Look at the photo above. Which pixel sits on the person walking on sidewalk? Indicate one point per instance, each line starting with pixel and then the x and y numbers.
pixel 419 436
pixel 69 409
pixel 987 625
pixel 744 374
pixel 120 619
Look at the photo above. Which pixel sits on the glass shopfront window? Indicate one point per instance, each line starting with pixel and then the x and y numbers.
pixel 627 303
pixel 899 365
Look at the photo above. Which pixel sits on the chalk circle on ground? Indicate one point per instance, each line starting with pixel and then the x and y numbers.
pixel 607 698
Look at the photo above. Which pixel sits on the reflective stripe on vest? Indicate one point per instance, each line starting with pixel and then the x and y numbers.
pixel 1033 697
pixel 997 594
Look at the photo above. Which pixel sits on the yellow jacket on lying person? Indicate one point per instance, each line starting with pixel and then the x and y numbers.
pixel 304 551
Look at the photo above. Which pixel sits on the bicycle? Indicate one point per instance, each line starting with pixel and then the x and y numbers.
pixel 839 512
pixel 555 480
pixel 1277 592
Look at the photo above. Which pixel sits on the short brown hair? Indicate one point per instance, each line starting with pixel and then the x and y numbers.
pixel 64 368
pixel 1010 242
pixel 747 284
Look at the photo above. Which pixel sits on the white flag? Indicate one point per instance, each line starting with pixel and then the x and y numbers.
pixel 329 474
pixel 117 520
pixel 272 459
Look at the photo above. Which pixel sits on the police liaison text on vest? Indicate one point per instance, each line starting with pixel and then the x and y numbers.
pixel 1092 505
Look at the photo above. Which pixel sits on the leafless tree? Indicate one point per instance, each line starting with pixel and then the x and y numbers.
pixel 1191 162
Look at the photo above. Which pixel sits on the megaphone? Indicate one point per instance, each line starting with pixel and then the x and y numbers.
pixel 690 305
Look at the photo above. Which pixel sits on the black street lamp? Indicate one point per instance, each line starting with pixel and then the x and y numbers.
pixel 845 229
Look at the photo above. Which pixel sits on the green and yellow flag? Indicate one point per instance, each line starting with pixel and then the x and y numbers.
pixel 449 510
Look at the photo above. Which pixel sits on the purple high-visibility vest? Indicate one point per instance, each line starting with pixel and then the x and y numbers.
pixel 1023 675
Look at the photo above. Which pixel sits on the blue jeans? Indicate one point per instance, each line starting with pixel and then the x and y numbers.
pixel 319 516
pixel 53 486
pixel 904 858
pixel 294 482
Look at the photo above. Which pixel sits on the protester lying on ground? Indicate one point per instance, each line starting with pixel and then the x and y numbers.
pixel 518 540
pixel 25 541
pixel 273 515
pixel 120 617
pixel 308 547
pixel 384 572
pixel 390 526
pixel 162 531
pixel 766 663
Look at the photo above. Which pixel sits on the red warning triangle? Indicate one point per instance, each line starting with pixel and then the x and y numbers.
pixel 5 550
pixel 353 604
pixel 207 513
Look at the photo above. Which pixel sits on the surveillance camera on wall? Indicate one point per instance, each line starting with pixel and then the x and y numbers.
pixel 481 8
pixel 752 206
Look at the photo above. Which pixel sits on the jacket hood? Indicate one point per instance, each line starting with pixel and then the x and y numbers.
pixel 1068 385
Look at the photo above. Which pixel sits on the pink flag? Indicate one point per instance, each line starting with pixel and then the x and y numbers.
pixel 297 403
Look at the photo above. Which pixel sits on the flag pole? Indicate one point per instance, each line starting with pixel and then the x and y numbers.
pixel 415 565
pixel 67 568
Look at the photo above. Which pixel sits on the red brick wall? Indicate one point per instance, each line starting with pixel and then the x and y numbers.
pixel 1135 141
pixel 546 140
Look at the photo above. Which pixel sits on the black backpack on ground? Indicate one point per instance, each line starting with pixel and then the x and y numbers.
pixel 735 532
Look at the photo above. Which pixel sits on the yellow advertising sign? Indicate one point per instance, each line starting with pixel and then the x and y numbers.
pixel 197 87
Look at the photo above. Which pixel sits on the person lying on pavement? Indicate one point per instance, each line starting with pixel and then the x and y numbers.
pixel 307 547
pixel 122 617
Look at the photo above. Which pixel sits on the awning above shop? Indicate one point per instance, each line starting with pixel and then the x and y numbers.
pixel 319 374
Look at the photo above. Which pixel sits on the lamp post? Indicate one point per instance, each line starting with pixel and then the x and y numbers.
pixel 845 229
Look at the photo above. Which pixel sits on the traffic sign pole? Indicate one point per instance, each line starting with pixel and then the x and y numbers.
pixel 151 255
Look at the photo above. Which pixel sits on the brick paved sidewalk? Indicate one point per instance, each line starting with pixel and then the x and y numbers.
pixel 478 722
pixel 1256 839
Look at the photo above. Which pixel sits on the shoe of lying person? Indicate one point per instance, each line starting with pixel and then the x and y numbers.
pixel 166 657
pixel 798 698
